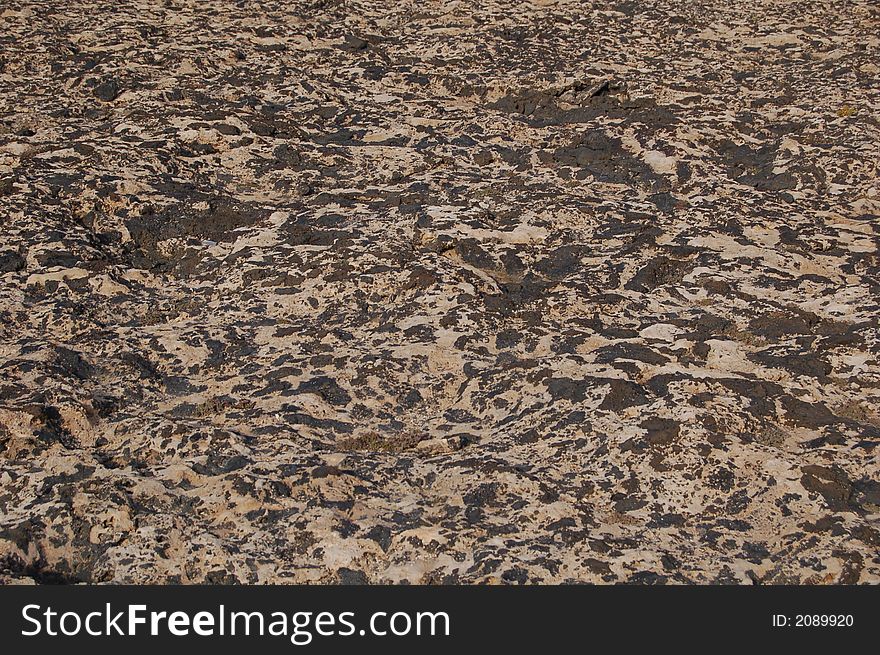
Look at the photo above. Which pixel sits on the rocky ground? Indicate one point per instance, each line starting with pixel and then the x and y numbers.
pixel 423 292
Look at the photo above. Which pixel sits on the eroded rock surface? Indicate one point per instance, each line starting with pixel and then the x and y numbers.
pixel 426 292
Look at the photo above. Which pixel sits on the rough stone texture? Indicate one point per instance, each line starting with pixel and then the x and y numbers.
pixel 419 291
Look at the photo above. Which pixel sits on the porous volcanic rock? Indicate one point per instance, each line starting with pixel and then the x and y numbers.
pixel 439 292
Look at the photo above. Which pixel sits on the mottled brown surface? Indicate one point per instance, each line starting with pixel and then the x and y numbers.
pixel 415 291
